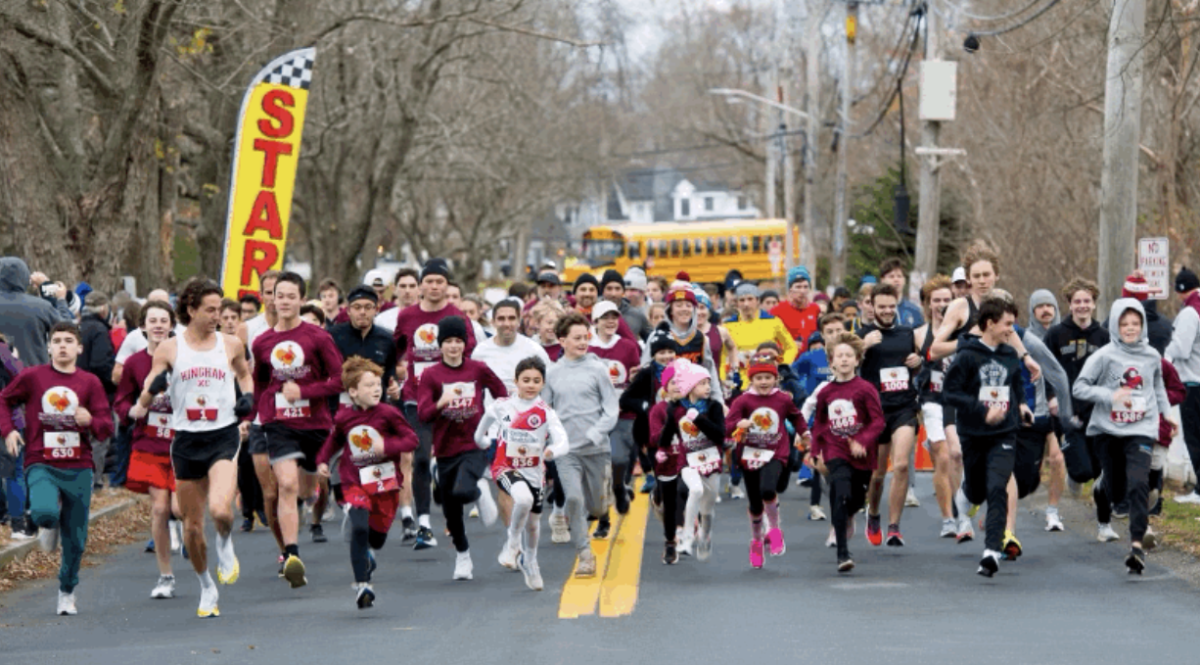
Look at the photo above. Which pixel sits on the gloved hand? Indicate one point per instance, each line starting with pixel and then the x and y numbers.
pixel 244 406
pixel 160 382
pixel 661 456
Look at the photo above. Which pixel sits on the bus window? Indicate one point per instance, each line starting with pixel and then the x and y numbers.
pixel 733 245
pixel 687 247
pixel 711 249
pixel 757 243
pixel 635 250
pixel 699 247
pixel 662 248
pixel 745 244
pixel 720 245
pixel 650 249
pixel 674 248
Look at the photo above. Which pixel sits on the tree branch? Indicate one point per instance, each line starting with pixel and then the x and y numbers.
pixel 67 48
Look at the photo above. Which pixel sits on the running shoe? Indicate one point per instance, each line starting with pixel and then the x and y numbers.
pixel 756 553
pixel 736 492
pixel 1150 540
pixel 1121 511
pixel 533 576
pixel 23 529
pixel 704 539
pixel 1156 507
pixel 602 528
pixel 776 542
pixel 247 525
pixel 1136 561
pixel 966 532
pixel 262 517
pixel 48 539
pixel 463 568
pixel 66 604
pixel 282 560
pixel 990 563
pixel 686 546
pixel 293 571
pixel 425 539
pixel 318 533
pixel 149 549
pixel 488 512
pixel 973 510
pixel 845 564
pixel 474 514
pixel 559 532
pixel 1105 534
pixel 622 499
pixel 949 528
pixel 330 511
pixel 874 533
pixel 364 597
pixel 648 484
pixel 410 530
pixel 508 556
pixel 234 570
pixel 894 539
pixel 1054 522
pixel 586 567
pixel 1190 497
pixel 165 587
pixel 670 554
pixel 815 514
pixel 831 541
pixel 208 603
pixel 911 499
pixel 1012 546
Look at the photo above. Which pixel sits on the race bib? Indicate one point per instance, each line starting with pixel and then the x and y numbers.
pixel 61 445
pixel 706 461
pixel 379 478
pixel 462 395
pixel 756 458
pixel 1131 411
pixel 935 381
pixel 158 425
pixel 524 455
pixel 893 379
pixel 200 407
pixel 994 396
pixel 285 409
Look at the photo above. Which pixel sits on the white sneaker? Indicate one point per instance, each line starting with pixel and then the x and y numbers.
pixel 487 508
pixel 66 604
pixel 559 532
pixel 1190 497
pixel 831 541
pixel 208 602
pixel 1053 522
pixel 463 566
pixel 364 596
pixel 966 532
pixel 48 540
pixel 533 576
pixel 1105 534
pixel 174 527
pixel 330 511
pixel 949 528
pixel 165 587
pixel 474 514
pixel 911 500
pixel 508 556
pixel 815 514
pixel 736 492
pixel 685 546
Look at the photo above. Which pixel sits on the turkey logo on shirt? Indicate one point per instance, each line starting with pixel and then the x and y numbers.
pixel 361 439
pixel 426 336
pixel 1131 379
pixel 58 406
pixel 287 361
pixel 617 372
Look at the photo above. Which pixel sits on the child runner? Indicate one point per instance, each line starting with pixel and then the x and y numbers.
pixel 755 421
pixel 529 433
pixel 65 409
pixel 1124 381
pixel 371 435
pixel 621 356
pixel 644 391
pixel 847 421
pixel 984 385
pixel 450 398
pixel 667 453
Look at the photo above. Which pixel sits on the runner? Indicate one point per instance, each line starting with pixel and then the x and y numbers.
pixel 667 453
pixel 755 421
pixel 846 423
pixel 891 272
pixel 587 294
pixel 296 368
pixel 416 342
pixel 65 410
pixel 450 402
pixel 579 389
pixel 1124 381
pixel 982 385
pixel 1184 354
pixel 529 432
pixel 150 460
pixel 197 370
pixel 544 319
pixel 889 363
pixel 371 436
pixel 405 293
pixel 620 357
pixel 681 329
pixel 612 289
pixel 750 326
pixel 643 393
pixel 798 313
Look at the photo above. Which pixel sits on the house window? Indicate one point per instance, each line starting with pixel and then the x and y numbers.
pixel 685 208
pixel 708 204
pixel 742 203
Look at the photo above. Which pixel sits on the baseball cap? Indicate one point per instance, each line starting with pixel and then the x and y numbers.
pixel 604 307
pixel 960 275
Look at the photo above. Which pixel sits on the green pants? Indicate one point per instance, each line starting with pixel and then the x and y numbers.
pixel 60 499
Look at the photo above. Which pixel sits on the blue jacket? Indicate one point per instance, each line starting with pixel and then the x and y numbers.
pixel 812 369
pixel 909 314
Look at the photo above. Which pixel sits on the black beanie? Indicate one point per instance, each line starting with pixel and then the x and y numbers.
pixel 363 292
pixel 1186 281
pixel 659 340
pixel 452 326
pixel 611 275
pixel 586 278
pixel 436 267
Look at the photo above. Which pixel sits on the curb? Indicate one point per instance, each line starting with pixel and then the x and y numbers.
pixel 18 551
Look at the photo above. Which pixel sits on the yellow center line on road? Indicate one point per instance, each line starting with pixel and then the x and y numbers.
pixel 618 569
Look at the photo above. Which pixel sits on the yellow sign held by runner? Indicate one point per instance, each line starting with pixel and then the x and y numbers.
pixel 266 154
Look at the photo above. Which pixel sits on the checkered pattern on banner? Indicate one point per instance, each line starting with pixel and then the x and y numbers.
pixel 295 74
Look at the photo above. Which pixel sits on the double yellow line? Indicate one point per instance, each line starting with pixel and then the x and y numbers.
pixel 614 588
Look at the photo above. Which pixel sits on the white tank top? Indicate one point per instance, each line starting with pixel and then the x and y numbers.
pixel 202 383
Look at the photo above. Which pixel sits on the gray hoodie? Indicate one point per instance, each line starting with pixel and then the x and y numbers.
pixel 583 395
pixel 26 319
pixel 1042 297
pixel 1117 364
pixel 1053 373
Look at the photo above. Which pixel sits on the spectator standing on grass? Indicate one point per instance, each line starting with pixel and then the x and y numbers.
pixel 25 320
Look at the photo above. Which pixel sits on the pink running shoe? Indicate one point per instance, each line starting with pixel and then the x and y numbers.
pixel 775 538
pixel 756 554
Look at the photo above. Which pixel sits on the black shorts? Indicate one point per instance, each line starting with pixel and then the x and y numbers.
pixel 194 453
pixel 302 445
pixel 1031 448
pixel 903 417
pixel 257 443
pixel 511 477
pixel 949 416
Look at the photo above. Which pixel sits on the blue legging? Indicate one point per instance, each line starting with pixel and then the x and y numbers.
pixel 61 498
pixel 14 488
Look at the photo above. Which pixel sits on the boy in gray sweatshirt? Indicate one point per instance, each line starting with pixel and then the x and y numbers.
pixel 579 390
pixel 1124 380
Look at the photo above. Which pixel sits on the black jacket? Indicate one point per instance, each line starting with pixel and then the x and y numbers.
pixel 1071 346
pixel 1157 328
pixel 977 368
pixel 711 424
pixel 638 399
pixel 98 356
pixel 377 346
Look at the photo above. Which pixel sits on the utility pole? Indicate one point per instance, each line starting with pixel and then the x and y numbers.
pixel 840 210
pixel 769 186
pixel 1122 129
pixel 812 106
pixel 930 186
pixel 789 193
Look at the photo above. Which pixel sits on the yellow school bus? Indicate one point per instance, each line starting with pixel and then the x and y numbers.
pixel 706 250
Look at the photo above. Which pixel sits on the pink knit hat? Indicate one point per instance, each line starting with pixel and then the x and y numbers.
pixel 688 377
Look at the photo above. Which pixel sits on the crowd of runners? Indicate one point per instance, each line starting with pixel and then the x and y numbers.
pixel 298 404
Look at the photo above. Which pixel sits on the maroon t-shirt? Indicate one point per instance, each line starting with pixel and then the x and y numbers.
pixel 847 410
pixel 153 433
pixel 621 359
pixel 767 413
pixel 307 355
pixel 416 341
pixel 356 430
pixel 51 399
pixel 454 426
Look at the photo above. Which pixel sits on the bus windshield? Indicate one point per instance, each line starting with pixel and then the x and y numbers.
pixel 602 252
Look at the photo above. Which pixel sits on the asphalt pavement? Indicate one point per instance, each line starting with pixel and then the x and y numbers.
pixel 1067 600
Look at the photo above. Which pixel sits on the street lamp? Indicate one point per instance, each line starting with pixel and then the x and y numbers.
pixel 733 92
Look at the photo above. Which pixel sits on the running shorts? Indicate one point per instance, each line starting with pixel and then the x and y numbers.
pixel 904 417
pixel 935 428
pixel 302 445
pixel 148 470
pixel 511 477
pixel 194 453
pixel 257 442
pixel 382 507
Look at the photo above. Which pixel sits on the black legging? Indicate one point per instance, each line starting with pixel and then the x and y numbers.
pixel 762 485
pixel 815 492
pixel 668 495
pixel 458 485
pixel 1126 465
pixel 248 487
pixel 847 496
pixel 363 539
pixel 422 476
pixel 558 498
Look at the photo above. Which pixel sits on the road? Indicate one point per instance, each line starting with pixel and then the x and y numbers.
pixel 1068 600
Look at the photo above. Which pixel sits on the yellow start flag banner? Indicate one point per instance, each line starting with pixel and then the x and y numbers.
pixel 266 153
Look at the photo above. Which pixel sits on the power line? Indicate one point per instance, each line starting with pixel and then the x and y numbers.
pixel 1000 17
